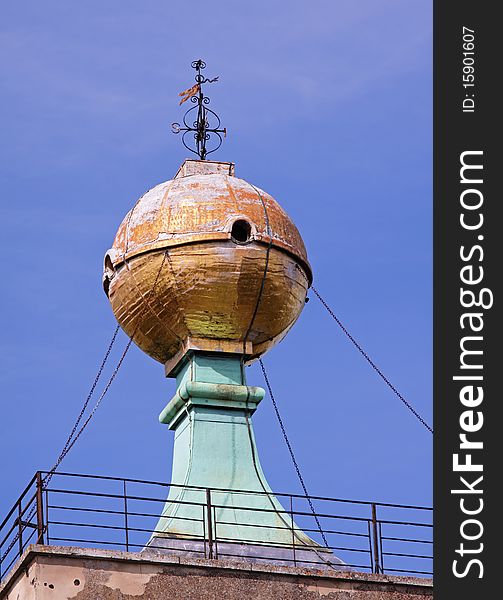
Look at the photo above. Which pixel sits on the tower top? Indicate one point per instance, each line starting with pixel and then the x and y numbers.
pixel 207 126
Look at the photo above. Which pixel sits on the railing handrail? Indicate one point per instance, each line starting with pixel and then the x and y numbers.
pixel 20 498
pixel 244 491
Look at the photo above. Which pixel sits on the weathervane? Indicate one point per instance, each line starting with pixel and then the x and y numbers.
pixel 206 123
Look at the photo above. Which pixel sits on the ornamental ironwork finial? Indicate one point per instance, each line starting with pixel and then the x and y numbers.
pixel 206 126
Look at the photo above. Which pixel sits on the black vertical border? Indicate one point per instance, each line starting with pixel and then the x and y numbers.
pixel 455 132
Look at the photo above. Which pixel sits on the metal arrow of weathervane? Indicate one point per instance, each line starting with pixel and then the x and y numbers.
pixel 207 124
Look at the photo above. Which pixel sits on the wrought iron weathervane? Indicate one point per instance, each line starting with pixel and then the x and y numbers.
pixel 207 124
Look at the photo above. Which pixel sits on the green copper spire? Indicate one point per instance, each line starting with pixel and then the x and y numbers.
pixel 215 448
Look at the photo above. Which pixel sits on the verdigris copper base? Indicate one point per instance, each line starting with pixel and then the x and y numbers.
pixel 215 449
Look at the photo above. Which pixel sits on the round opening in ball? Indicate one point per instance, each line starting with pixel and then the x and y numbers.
pixel 241 232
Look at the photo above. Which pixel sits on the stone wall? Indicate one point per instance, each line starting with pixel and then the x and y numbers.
pixel 57 573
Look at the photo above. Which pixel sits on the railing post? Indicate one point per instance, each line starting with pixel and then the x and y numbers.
pixel 293 532
pixel 125 514
pixel 380 548
pixel 210 523
pixel 371 553
pixel 377 566
pixel 47 538
pixel 40 509
pixel 20 527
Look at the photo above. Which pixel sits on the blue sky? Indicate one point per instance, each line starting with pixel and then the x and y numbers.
pixel 328 108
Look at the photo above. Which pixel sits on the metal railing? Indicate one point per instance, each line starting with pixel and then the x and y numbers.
pixel 117 513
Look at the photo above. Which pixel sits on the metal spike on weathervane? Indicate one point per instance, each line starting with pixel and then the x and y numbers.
pixel 207 123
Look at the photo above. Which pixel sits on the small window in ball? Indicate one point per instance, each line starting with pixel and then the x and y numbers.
pixel 109 274
pixel 241 231
pixel 109 267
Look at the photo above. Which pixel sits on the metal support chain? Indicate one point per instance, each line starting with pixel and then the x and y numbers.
pixel 369 360
pixel 95 408
pixel 290 450
pixel 89 395
pixel 266 267
pixel 70 442
pixel 73 437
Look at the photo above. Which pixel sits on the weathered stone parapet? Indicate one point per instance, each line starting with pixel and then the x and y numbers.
pixel 57 573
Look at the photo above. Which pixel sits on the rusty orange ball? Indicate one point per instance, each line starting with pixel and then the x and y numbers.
pixel 206 261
